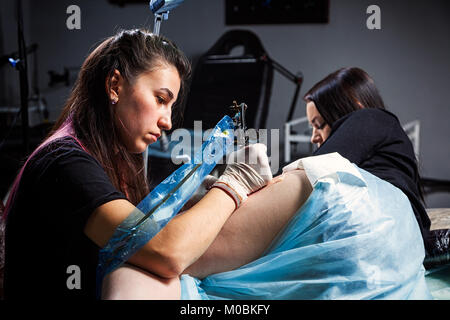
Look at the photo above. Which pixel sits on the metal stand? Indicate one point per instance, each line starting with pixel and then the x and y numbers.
pixel 159 17
pixel 21 65
pixel 297 80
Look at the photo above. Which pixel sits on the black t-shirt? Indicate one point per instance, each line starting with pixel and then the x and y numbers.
pixel 374 140
pixel 60 187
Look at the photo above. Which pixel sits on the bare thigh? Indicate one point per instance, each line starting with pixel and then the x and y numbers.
pixel 131 283
pixel 250 230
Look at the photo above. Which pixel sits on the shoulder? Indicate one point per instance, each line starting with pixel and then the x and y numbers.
pixel 61 147
pixel 62 159
pixel 57 152
pixel 368 117
pixel 374 113
pixel 67 171
pixel 368 121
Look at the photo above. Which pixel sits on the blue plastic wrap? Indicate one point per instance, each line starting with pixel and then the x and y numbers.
pixel 438 281
pixel 164 202
pixel 356 237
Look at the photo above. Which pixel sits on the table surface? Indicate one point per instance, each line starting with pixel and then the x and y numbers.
pixel 440 218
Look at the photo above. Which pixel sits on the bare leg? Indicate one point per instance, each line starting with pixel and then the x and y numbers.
pixel 131 283
pixel 251 229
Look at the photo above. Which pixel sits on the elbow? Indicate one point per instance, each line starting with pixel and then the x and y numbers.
pixel 174 256
pixel 176 262
pixel 166 263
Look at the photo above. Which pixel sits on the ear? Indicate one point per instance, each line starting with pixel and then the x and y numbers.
pixel 114 85
pixel 360 105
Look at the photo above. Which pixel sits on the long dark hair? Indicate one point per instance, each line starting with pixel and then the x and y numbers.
pixel 342 92
pixel 88 108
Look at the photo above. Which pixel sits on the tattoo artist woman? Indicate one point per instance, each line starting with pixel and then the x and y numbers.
pixel 348 116
pixel 87 177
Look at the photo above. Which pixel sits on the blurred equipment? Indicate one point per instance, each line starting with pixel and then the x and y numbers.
pixel 239 122
pixel 22 127
pixel 164 6
pixel 67 77
pixel 20 64
pixel 221 76
pixel 293 138
pixel 161 9
pixel 33 110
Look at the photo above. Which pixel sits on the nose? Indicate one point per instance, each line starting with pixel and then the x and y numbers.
pixel 165 120
pixel 315 137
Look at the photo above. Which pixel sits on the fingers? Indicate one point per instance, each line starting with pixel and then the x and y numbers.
pixel 263 165
pixel 247 171
pixel 254 155
pixel 248 154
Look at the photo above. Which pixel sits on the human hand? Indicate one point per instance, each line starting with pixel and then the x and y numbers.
pixel 248 170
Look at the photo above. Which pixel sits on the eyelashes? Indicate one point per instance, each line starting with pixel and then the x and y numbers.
pixel 321 126
pixel 317 126
pixel 160 100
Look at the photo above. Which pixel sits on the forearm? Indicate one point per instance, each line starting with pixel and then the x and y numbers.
pixel 186 237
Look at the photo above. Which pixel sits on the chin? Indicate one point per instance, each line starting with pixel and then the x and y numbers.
pixel 138 146
pixel 140 150
pixel 135 149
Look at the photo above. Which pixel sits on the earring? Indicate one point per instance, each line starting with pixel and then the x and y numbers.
pixel 114 101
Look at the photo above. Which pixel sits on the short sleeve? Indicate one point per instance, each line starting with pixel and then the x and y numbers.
pixel 79 184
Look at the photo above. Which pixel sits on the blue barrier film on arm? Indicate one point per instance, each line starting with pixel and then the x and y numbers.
pixel 165 201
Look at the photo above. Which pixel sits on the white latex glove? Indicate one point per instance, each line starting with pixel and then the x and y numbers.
pixel 248 170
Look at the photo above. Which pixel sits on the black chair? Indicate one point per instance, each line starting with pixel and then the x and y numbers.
pixel 220 78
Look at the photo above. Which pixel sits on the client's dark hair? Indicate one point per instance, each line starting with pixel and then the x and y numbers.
pixel 342 92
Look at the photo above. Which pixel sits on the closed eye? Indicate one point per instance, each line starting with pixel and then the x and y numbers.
pixel 164 96
pixel 317 126
pixel 161 100
pixel 321 126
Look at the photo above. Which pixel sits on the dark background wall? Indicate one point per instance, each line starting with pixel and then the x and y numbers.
pixel 409 58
